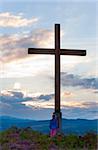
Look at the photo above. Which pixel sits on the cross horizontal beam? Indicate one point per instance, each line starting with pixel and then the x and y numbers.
pixel 52 51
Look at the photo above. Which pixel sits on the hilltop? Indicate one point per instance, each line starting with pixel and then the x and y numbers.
pixel 28 139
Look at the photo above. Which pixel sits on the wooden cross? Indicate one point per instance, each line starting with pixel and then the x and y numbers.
pixel 57 52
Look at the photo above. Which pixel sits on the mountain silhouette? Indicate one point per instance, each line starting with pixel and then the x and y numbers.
pixel 74 126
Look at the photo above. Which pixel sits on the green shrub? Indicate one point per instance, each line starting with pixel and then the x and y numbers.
pixel 15 138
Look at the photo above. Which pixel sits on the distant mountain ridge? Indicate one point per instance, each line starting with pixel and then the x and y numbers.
pixel 75 126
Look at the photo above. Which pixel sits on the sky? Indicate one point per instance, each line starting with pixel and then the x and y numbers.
pixel 27 81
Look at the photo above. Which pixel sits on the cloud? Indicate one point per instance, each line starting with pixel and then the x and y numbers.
pixel 9 20
pixel 34 107
pixel 96 92
pixel 41 101
pixel 83 110
pixel 11 96
pixel 46 97
pixel 67 94
pixel 92 105
pixel 16 106
pixel 78 81
pixel 14 47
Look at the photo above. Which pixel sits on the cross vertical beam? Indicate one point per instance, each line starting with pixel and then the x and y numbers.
pixel 57 67
pixel 57 75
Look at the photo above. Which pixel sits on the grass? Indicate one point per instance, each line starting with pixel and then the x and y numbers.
pixel 27 139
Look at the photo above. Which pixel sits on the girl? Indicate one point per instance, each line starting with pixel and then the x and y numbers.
pixel 53 126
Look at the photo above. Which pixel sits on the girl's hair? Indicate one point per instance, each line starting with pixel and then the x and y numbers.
pixel 53 116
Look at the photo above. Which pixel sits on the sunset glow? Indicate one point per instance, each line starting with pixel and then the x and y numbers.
pixel 27 81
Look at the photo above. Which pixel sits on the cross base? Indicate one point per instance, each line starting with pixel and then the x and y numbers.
pixel 59 118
